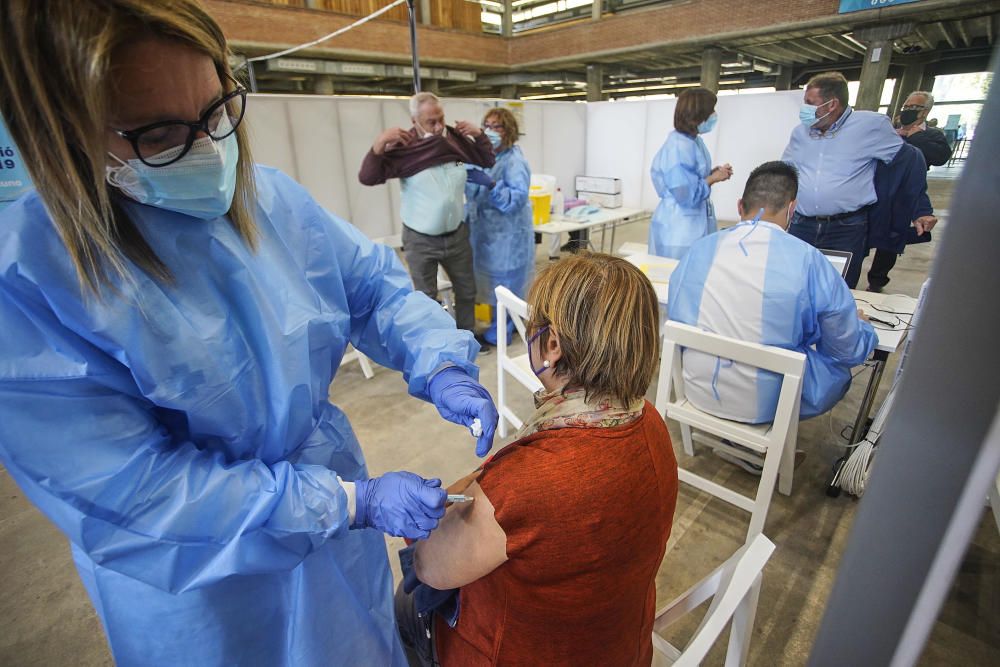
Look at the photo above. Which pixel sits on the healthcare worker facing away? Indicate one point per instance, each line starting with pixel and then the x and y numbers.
pixel 755 282
pixel 683 176
pixel 171 318
pixel 499 215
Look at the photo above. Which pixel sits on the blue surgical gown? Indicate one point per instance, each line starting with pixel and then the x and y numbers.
pixel 181 435
pixel 500 227
pixel 685 212
pixel 757 283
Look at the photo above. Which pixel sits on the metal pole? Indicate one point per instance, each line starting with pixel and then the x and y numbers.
pixel 413 46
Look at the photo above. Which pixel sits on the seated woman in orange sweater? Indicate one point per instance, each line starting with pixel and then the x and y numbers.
pixel 555 559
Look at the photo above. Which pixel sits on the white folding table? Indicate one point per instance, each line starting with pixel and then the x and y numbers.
pixel 896 312
pixel 604 218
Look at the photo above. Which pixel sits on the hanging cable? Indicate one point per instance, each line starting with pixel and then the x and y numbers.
pixel 335 33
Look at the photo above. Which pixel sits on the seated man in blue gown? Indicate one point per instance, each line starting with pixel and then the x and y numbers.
pixel 757 283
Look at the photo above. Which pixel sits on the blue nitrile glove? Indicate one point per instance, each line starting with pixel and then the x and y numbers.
pixel 479 177
pixel 399 503
pixel 460 399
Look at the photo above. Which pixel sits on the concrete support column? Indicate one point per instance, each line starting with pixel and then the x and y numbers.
pixel 323 84
pixel 508 92
pixel 595 10
pixel 425 12
pixel 913 74
pixel 784 80
pixel 430 85
pixel 595 83
pixel 873 73
pixel 878 57
pixel 927 82
pixel 711 64
pixel 507 20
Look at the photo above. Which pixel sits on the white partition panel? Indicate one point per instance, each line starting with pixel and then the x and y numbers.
pixel 371 208
pixel 563 132
pixel 659 123
pixel 616 138
pixel 752 129
pixel 531 124
pixel 270 135
pixel 319 155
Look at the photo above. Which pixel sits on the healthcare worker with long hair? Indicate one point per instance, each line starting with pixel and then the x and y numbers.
pixel 499 215
pixel 171 316
pixel 683 176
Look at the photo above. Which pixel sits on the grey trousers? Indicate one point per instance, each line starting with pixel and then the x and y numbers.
pixel 452 251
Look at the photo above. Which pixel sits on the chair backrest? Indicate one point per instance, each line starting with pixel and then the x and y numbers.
pixel 776 440
pixel 733 587
pixel 511 306
pixel 515 308
pixel 790 365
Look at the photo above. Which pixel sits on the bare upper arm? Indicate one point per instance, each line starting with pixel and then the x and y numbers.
pixel 467 545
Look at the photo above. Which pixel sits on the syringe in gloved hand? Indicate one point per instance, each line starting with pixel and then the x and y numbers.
pixel 476 428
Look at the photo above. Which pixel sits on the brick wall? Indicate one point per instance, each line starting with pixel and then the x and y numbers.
pixel 276 27
pixel 684 23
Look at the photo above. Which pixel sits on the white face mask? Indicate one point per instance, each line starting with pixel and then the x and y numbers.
pixel 201 184
pixel 424 134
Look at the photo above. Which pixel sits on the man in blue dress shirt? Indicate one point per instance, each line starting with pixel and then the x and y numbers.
pixel 834 150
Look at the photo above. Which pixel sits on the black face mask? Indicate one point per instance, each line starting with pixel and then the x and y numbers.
pixel 908 116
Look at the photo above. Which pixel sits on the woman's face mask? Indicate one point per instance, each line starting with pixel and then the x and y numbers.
pixel 201 184
pixel 545 364
pixel 708 124
pixel 494 137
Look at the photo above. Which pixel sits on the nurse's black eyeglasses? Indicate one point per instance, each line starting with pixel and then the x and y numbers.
pixel 153 143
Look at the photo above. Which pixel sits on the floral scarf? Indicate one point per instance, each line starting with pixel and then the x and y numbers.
pixel 570 409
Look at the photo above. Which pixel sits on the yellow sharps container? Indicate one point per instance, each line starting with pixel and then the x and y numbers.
pixel 541 204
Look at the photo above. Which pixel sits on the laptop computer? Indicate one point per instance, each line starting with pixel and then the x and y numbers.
pixel 840 259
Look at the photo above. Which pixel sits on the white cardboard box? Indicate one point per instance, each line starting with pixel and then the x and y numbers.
pixel 601 199
pixel 598 184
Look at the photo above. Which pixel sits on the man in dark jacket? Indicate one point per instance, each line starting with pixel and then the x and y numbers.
pixel 903 212
pixel 934 146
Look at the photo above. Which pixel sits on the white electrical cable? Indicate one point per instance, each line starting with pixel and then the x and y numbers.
pixel 853 474
pixel 330 36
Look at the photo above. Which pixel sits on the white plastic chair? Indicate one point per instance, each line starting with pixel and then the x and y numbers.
pixel 774 442
pixel 734 588
pixel 510 305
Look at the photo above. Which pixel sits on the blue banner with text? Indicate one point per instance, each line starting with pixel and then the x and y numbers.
pixel 861 5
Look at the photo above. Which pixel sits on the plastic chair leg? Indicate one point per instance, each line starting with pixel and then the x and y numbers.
pixel 688 440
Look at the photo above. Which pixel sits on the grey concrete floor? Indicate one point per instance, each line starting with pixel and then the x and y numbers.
pixel 47 619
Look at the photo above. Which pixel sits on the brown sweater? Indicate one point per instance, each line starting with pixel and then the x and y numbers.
pixel 401 161
pixel 587 513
